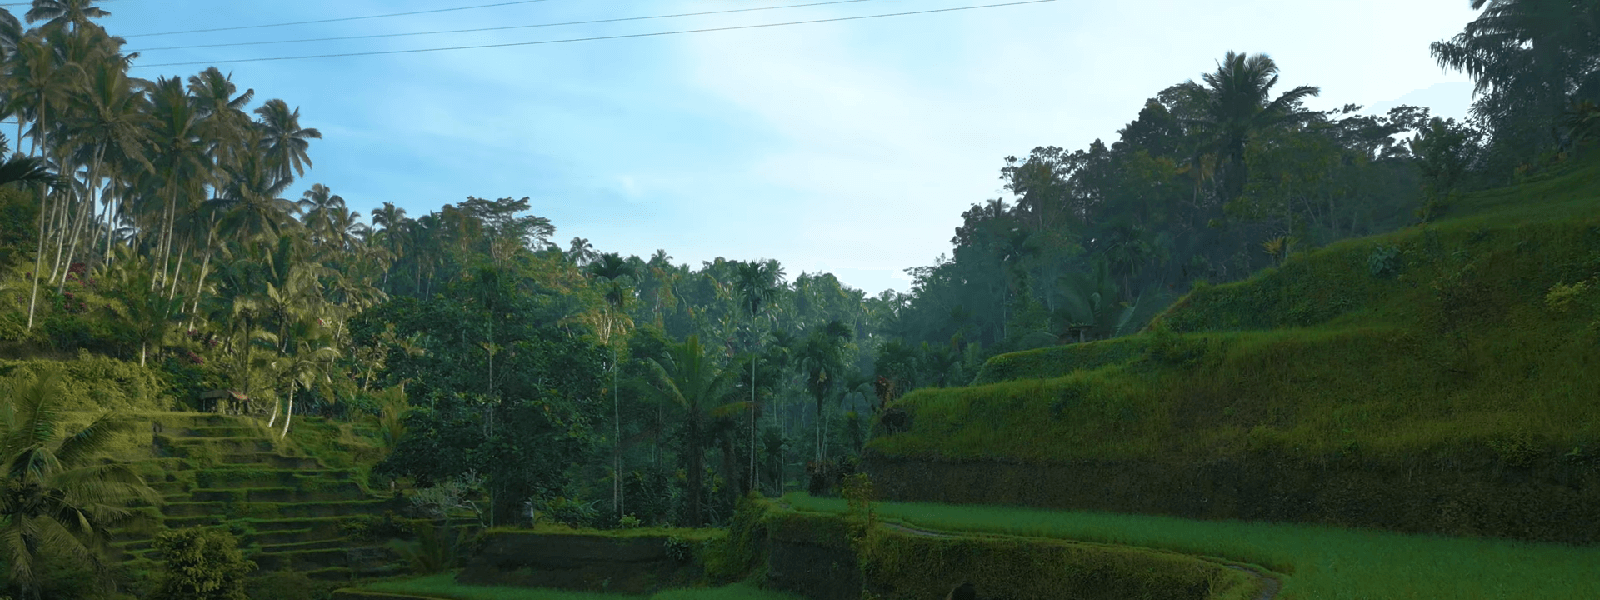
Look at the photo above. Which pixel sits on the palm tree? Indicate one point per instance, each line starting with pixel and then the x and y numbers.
pixel 226 129
pixel 318 207
pixel 692 380
pixel 615 272
pixel 1528 60
pixel 283 141
pixel 820 359
pixel 757 284
pixel 39 81
pixel 57 493
pixel 180 157
pixel 112 122
pixel 1232 104
pixel 306 363
pixel 393 221
pixel 63 13
pixel 581 252
pixel 250 204
pixel 25 170
pixel 141 306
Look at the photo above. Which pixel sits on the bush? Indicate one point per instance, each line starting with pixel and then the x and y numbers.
pixel 287 585
pixel 1384 261
pixel 201 564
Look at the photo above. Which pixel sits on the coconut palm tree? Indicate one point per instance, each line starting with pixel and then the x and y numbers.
pixel 225 127
pixel 110 121
pixel 65 13
pixel 394 222
pixel 821 361
pixel 250 202
pixel 615 273
pixel 179 156
pixel 57 493
pixel 691 380
pixel 1233 103
pixel 318 207
pixel 757 284
pixel 306 363
pixel 140 305
pixel 283 141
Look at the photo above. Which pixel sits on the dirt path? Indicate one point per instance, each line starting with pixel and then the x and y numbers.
pixel 1269 582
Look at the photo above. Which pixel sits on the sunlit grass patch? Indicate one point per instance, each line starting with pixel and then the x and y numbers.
pixel 444 586
pixel 1321 563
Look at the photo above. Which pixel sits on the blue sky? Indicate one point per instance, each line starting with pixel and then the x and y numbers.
pixel 849 147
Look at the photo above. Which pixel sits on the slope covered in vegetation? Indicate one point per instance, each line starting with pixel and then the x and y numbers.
pixel 1461 356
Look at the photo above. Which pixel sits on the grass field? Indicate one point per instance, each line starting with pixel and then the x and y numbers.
pixel 1319 563
pixel 444 586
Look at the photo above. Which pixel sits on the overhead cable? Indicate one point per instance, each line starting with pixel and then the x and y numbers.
pixel 594 38
pixel 384 16
pixel 502 27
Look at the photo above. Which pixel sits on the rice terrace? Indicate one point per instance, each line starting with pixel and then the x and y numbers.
pixel 1311 313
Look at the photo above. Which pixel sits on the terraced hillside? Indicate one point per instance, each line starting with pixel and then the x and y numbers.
pixel 1440 378
pixel 288 509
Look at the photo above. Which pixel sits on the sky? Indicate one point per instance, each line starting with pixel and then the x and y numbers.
pixel 849 147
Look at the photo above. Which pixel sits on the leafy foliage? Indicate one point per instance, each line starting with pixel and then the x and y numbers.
pixel 201 564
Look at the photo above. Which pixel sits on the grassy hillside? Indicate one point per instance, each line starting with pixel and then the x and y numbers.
pixel 1474 341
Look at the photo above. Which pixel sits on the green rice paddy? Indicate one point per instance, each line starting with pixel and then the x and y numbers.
pixel 1317 563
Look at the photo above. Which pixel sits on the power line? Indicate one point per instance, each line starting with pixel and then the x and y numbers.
pixel 31 4
pixel 502 27
pixel 603 37
pixel 398 14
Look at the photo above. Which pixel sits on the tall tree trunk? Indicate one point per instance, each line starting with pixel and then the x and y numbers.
pixel 616 422
pixel 288 413
pixel 38 254
pixel 754 481
pixel 696 466
pixel 83 216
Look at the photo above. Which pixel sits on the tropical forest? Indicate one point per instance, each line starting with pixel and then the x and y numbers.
pixel 1243 350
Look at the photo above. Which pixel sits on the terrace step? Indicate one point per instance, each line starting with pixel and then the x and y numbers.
pixel 197 447
pixel 312 545
pixel 245 476
pixel 215 431
pixel 309 560
pixel 327 492
pixel 273 460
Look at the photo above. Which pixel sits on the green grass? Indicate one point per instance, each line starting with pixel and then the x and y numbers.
pixel 1458 350
pixel 694 534
pixel 1320 563
pixel 445 586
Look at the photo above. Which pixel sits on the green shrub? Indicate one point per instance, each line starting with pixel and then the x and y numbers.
pixel 743 549
pixel 435 549
pixel 92 383
pixel 287 585
pixel 1384 261
pixel 201 564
